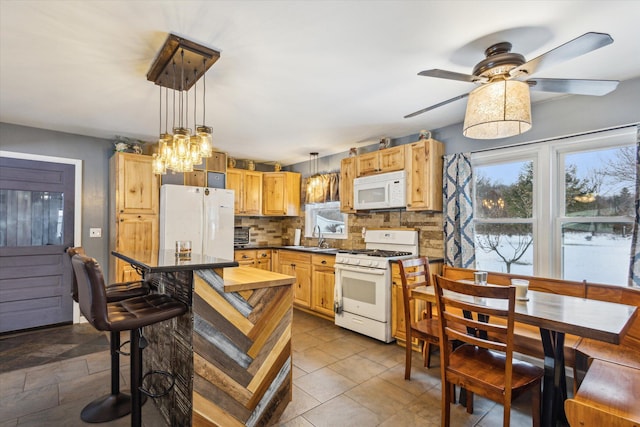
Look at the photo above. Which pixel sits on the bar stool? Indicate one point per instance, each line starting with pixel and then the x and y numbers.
pixel 127 315
pixel 116 404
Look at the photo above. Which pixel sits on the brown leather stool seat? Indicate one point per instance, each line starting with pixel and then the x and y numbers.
pixel 131 314
pixel 116 404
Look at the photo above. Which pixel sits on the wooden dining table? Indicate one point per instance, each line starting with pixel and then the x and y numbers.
pixel 556 315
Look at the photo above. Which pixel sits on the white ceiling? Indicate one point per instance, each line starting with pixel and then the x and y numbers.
pixel 294 76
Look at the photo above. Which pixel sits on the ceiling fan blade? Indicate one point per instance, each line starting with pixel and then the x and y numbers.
pixel 574 86
pixel 452 75
pixel 440 104
pixel 579 46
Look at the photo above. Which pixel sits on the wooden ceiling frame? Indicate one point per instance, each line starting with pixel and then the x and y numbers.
pixel 197 58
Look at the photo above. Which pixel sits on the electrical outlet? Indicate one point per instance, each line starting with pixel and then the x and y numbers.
pixel 95 232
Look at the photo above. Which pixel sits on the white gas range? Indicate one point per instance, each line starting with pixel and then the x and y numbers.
pixel 363 281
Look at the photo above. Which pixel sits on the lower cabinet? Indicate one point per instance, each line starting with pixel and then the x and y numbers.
pixel 258 258
pixel 322 284
pixel 313 290
pixel 297 264
pixel 418 308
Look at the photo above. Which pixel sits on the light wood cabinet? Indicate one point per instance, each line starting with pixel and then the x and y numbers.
pixel 247 186
pixel 258 258
pixel 347 174
pixel 398 325
pixel 398 321
pixel 135 200
pixel 297 264
pixel 322 284
pixel 281 194
pixel 424 175
pixel 387 160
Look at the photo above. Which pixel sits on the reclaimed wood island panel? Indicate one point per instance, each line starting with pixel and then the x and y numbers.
pixel 230 353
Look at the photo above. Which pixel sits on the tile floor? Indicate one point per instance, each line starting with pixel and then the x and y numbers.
pixel 340 379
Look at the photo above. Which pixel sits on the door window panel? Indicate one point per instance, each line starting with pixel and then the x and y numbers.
pixel 31 218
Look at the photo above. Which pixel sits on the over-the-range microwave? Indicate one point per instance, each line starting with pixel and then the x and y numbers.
pixel 386 190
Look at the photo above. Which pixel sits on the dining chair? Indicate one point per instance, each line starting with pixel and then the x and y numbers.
pixel 413 273
pixel 484 363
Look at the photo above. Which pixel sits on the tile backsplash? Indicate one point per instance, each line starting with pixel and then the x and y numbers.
pixel 278 231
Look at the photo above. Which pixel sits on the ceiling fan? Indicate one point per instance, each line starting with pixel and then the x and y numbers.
pixel 501 64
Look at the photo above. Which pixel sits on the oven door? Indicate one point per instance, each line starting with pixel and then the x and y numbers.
pixel 364 291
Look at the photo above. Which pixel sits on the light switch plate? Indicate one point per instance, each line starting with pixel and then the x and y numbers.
pixel 95 232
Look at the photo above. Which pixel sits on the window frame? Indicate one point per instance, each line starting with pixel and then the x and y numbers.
pixel 310 210
pixel 548 178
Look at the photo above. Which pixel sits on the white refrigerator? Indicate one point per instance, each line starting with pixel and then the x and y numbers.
pixel 202 215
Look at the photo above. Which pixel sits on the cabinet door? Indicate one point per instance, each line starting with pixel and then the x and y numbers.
pixel 136 184
pixel 217 162
pixel 368 163
pixel 252 193
pixel 424 175
pixel 391 159
pixel 323 284
pixel 274 194
pixel 195 178
pixel 137 235
pixel 263 264
pixel 302 292
pixel 234 182
pixel 347 174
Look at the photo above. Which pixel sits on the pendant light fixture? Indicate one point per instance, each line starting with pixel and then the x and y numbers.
pixel 185 61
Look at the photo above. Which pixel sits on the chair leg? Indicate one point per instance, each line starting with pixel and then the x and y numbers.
pixel 137 345
pixel 536 398
pixel 445 412
pixel 116 404
pixel 407 362
pixel 469 402
pixel 506 416
pixel 428 345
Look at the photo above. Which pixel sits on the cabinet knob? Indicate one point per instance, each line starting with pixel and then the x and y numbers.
pixel 244 256
pixel 324 261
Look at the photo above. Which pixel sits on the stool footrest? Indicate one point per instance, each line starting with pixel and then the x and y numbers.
pixel 124 353
pixel 163 392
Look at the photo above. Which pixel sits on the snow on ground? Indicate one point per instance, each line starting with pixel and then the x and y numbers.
pixel 602 258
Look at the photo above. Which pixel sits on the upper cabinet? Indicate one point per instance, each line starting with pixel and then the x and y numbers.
pixel 247 186
pixel 136 186
pixel 424 175
pixel 281 194
pixel 348 168
pixel 422 160
pixel 387 160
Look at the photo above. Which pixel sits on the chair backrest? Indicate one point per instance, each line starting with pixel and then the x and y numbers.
pixel 414 272
pixel 74 286
pixel 464 306
pixel 92 296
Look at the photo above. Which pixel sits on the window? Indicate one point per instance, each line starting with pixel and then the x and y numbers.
pixel 503 211
pixel 327 216
pixel 559 208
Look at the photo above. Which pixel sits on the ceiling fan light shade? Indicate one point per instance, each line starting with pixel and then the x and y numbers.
pixel 498 110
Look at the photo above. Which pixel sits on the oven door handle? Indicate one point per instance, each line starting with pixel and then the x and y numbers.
pixel 361 270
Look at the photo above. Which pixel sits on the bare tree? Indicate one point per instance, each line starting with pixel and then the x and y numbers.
pixel 494 243
pixel 623 167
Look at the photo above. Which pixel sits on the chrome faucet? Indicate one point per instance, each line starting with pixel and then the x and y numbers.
pixel 321 242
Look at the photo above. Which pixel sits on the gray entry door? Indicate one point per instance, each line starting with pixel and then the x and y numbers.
pixel 36 225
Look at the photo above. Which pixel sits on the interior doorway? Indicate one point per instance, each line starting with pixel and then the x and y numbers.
pixel 37 223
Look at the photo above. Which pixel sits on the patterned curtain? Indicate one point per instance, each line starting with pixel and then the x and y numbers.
pixel 634 267
pixel 322 188
pixel 459 250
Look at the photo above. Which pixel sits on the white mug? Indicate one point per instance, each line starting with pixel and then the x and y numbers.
pixel 522 286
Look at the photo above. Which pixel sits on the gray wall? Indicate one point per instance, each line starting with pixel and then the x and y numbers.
pixel 95 154
pixel 567 115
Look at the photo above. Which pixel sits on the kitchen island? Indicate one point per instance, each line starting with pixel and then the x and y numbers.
pixel 230 353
